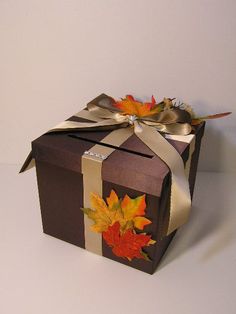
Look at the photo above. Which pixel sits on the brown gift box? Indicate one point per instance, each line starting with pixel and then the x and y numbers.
pixel 131 169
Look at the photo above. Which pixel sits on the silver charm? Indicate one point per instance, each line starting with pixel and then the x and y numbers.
pixel 99 156
pixel 131 119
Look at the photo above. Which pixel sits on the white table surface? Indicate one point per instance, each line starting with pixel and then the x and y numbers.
pixel 43 275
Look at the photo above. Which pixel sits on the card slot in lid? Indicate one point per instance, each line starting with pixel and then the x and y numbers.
pixel 126 150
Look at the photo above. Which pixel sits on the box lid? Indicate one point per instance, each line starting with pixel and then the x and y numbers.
pixel 132 164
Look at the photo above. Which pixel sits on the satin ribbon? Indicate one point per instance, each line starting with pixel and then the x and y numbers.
pixel 92 181
pixel 173 121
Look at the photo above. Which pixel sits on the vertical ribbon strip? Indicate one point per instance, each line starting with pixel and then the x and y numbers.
pixel 92 180
pixel 180 202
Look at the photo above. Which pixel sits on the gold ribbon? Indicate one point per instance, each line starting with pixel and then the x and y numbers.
pixel 92 181
pixel 174 121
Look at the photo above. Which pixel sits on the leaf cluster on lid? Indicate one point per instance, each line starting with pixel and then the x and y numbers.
pixel 130 106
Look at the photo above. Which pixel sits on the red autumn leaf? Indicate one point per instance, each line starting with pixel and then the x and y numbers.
pixel 153 100
pixel 130 97
pixel 112 235
pixel 128 245
pixel 152 103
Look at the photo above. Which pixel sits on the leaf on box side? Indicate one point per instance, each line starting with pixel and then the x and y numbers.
pixel 152 242
pixel 133 207
pixel 117 220
pixel 101 214
pixel 100 218
pixel 129 245
pixel 112 235
pixel 97 202
pixel 145 256
pixel 112 200
pixel 141 222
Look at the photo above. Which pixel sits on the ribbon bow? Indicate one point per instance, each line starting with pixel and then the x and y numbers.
pixel 108 116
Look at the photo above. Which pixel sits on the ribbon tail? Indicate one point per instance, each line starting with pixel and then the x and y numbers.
pixel 180 199
pixel 86 126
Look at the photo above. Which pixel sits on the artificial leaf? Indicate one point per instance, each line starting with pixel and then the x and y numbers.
pixel 112 200
pixel 97 202
pixel 198 120
pixel 151 104
pixel 133 207
pixel 130 106
pixel 151 241
pixel 103 215
pixel 101 219
pixel 117 219
pixel 130 97
pixel 141 222
pixel 114 207
pixel 128 212
pixel 128 245
pixel 153 101
pixel 145 256
pixel 112 235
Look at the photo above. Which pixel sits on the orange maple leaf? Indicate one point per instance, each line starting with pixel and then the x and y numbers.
pixel 130 106
pixel 128 245
pixel 133 209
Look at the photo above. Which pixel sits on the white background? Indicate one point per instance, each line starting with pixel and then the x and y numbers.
pixel 40 274
pixel 57 55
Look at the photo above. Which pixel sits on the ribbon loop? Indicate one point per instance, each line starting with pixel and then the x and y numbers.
pixel 174 115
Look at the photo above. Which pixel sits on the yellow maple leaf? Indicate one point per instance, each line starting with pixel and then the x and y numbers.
pixel 112 200
pixel 141 222
pixel 128 212
pixel 103 215
pixel 134 209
